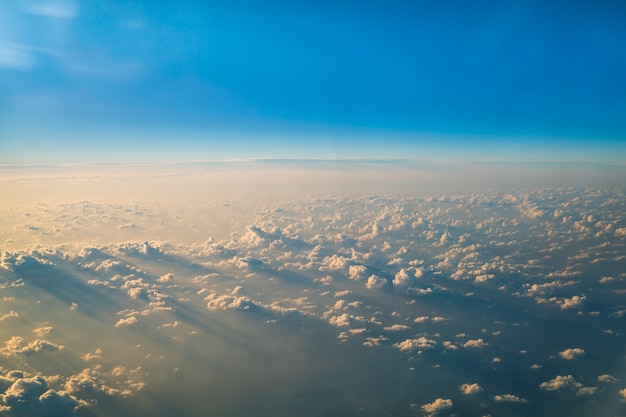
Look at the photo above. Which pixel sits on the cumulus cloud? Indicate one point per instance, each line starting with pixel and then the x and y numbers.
pixel 10 315
pixel 374 281
pixel 166 277
pixel 357 272
pixel 571 353
pixel 567 382
pixel 129 321
pixel 90 384
pixel 415 344
pixel 573 302
pixel 374 341
pixel 607 378
pixel 469 389
pixel 17 346
pixel 436 406
pixel 403 280
pixel 42 331
pixel 475 344
pixel 509 398
pixel 345 320
pixel 32 396
pixel 230 302
pixel 397 327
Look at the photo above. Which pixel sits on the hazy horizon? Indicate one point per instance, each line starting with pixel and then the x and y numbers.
pixel 315 209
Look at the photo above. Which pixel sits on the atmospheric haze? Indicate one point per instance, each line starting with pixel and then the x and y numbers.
pixel 312 288
pixel 313 209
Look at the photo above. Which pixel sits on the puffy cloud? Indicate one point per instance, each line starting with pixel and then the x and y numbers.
pixel 436 406
pixel 572 353
pixel 345 320
pixel 475 344
pixel 17 346
pixel 250 263
pixel 469 389
pixel 607 378
pixel 564 303
pixel 403 280
pixel 415 344
pixel 230 302
pixel 509 398
pixel 559 382
pixel 32 396
pixel 145 250
pixel 622 393
pixel 573 302
pixel 397 327
pixel 567 382
pixel 450 345
pixel 90 384
pixel 334 262
pixel 42 331
pixel 91 356
pixel 374 341
pixel 357 272
pixel 129 321
pixel 10 315
pixel 374 281
pixel 166 277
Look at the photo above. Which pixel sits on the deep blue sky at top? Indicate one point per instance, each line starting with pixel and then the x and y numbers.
pixel 147 79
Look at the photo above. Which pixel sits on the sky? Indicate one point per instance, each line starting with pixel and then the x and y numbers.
pixel 203 80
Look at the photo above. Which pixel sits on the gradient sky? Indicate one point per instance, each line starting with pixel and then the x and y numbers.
pixel 178 80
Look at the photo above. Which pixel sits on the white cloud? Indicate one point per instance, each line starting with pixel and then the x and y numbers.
pixel 469 389
pixel 374 281
pixel 607 378
pixel 436 406
pixel 32 396
pixel 374 341
pixel 509 398
pixel 397 327
pixel 334 263
pixel 573 302
pixel 10 315
pixel 42 331
pixel 572 353
pixel 345 320
pixel 17 346
pixel 230 302
pixel 450 345
pixel 166 277
pixel 416 344
pixel 129 321
pixel 90 384
pixel 357 272
pixel 567 382
pixel 475 344
pixel 403 280
pixel 92 356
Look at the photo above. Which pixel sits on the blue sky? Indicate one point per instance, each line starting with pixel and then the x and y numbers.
pixel 155 80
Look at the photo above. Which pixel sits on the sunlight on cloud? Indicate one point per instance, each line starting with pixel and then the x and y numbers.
pixel 152 289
